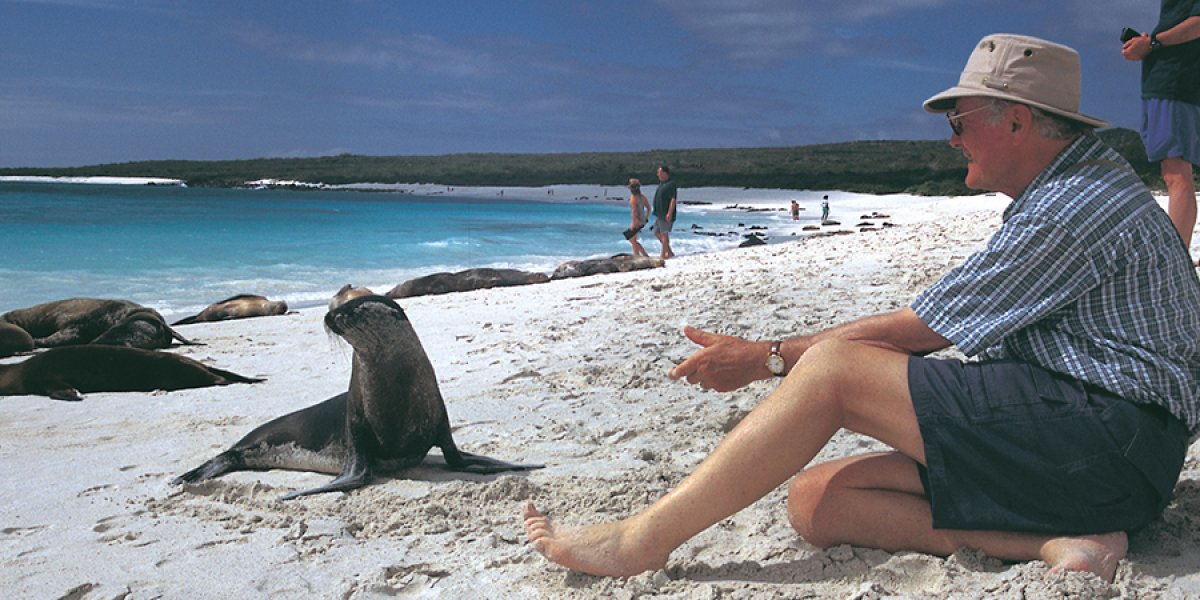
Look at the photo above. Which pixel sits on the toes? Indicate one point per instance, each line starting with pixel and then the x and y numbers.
pixel 531 512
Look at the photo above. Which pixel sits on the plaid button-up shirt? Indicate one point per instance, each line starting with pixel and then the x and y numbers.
pixel 1088 277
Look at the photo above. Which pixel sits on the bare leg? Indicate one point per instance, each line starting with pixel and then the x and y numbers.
pixel 665 240
pixel 1181 196
pixel 877 500
pixel 836 384
pixel 638 250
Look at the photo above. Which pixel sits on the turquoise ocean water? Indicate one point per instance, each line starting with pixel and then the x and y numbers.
pixel 179 249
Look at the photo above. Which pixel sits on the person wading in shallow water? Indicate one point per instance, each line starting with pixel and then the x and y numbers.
pixel 639 214
pixel 1069 430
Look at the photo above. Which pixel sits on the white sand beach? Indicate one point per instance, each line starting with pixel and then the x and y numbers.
pixel 571 374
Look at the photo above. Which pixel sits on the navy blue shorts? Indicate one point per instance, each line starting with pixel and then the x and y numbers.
pixel 1010 446
pixel 1171 129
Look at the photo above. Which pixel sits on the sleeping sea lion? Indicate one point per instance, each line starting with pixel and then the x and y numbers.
pixel 621 263
pixel 389 418
pixel 14 340
pixel 65 373
pixel 465 281
pixel 93 321
pixel 241 306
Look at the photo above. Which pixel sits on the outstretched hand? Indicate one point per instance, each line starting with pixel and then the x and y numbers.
pixel 723 363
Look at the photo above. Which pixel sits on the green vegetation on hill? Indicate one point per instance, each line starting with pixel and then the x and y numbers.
pixel 918 167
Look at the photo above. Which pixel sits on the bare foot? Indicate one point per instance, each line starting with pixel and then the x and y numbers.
pixel 1097 554
pixel 609 549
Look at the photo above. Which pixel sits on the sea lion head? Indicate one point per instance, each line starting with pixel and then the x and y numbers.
pixel 14 340
pixel 348 293
pixel 368 320
pixel 141 328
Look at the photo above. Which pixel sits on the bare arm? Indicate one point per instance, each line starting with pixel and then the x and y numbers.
pixel 1184 32
pixel 727 363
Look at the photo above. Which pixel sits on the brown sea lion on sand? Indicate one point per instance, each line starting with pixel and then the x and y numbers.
pixel 390 417
pixel 621 263
pixel 465 281
pixel 348 293
pixel 242 306
pixel 93 321
pixel 66 373
pixel 14 340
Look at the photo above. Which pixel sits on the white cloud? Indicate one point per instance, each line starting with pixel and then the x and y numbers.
pixel 766 31
pixel 418 52
pixel 1109 16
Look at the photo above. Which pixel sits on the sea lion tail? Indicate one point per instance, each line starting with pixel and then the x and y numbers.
pixel 185 320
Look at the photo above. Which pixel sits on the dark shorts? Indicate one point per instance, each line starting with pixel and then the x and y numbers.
pixel 1013 447
pixel 1171 129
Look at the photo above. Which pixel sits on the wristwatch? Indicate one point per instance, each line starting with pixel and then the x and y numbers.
pixel 775 362
pixel 1154 43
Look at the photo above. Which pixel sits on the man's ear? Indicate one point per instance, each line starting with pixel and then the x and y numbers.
pixel 1021 117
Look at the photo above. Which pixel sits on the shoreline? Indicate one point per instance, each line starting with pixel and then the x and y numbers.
pixel 569 373
pixel 756 211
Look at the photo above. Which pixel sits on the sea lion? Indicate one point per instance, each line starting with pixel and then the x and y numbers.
pixel 389 418
pixel 14 340
pixel 621 263
pixel 241 306
pixel 94 321
pixel 348 293
pixel 66 373
pixel 465 281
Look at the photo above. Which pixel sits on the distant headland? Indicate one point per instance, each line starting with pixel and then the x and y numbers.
pixel 924 167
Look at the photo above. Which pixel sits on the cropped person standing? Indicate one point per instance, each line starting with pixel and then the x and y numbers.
pixel 665 198
pixel 1170 58
pixel 1071 428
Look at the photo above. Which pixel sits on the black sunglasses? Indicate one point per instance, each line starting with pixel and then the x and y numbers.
pixel 955 119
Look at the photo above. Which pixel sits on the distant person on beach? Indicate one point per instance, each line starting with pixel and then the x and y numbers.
pixel 665 198
pixel 639 211
pixel 824 209
pixel 1171 104
pixel 1071 428
pixel 795 210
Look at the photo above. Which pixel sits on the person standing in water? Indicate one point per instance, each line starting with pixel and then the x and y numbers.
pixel 639 214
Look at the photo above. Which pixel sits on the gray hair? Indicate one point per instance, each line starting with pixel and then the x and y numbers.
pixel 1048 125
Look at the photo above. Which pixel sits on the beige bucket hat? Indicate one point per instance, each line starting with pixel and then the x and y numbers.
pixel 1021 69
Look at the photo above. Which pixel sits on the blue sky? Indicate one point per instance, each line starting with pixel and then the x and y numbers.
pixel 95 81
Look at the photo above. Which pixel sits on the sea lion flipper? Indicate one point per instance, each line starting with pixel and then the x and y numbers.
pixel 355 474
pixel 482 465
pixel 68 394
pixel 182 340
pixel 216 466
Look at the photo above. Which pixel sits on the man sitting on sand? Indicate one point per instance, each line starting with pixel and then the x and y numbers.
pixel 1070 430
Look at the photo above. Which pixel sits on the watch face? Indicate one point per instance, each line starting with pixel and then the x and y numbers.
pixel 775 364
